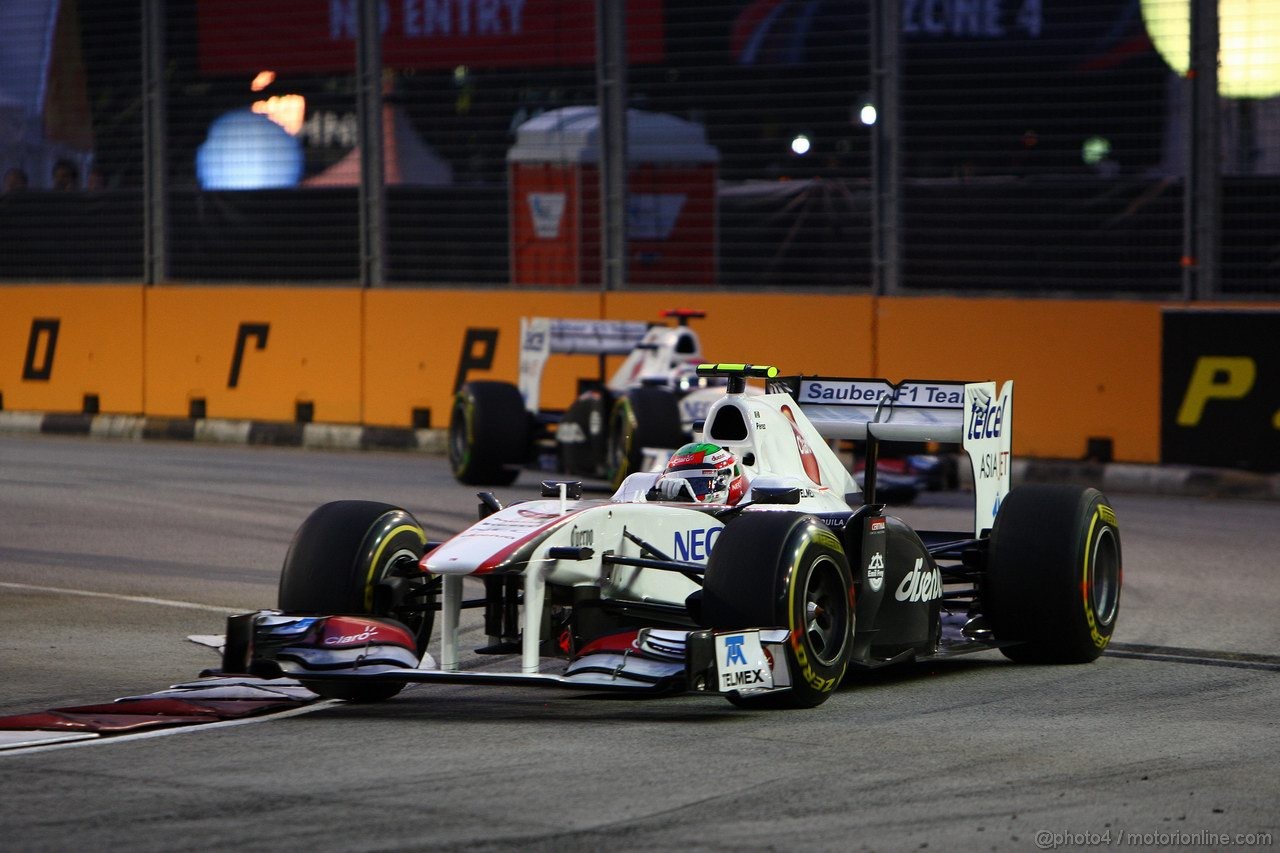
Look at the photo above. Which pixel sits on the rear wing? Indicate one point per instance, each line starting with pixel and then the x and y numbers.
pixel 653 351
pixel 971 414
pixel 542 336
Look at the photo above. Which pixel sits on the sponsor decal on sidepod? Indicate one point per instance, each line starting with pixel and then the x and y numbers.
pixel 875 572
pixel 920 584
pixel 695 545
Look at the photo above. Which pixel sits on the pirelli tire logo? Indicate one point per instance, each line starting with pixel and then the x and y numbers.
pixel 808 671
pixel 817 682
pixel 1221 389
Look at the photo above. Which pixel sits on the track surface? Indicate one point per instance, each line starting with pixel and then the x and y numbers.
pixel 975 754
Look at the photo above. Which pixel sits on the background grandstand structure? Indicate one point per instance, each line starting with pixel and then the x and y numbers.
pixel 1027 147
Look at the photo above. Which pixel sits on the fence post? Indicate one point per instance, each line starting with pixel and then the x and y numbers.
pixel 372 168
pixel 1201 209
pixel 886 162
pixel 155 196
pixel 611 109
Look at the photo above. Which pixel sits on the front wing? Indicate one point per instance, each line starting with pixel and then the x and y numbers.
pixel 649 660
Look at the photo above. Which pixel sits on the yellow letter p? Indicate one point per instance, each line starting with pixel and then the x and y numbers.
pixel 1216 377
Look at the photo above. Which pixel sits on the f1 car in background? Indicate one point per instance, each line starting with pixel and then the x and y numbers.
pixel 768 602
pixel 650 402
pixel 906 471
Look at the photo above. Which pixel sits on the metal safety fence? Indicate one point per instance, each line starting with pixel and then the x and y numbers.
pixel 1022 147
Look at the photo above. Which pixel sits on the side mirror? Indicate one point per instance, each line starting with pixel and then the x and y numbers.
pixel 572 489
pixel 489 504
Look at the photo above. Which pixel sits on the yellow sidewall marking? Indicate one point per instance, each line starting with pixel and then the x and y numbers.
pixel 1098 639
pixel 817 682
pixel 469 426
pixel 377 556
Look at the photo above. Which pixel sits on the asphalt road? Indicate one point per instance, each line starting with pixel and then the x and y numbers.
pixel 112 552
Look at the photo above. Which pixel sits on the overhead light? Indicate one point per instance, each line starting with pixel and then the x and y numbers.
pixel 262 81
pixel 800 145
pixel 244 151
pixel 288 111
pixel 1248 43
pixel 1095 149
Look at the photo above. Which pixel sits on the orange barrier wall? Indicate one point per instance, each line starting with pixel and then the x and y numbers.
pixel 1083 368
pixel 59 343
pixel 420 343
pixel 255 352
pixel 810 333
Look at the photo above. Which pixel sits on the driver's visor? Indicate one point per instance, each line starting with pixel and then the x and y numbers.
pixel 704 482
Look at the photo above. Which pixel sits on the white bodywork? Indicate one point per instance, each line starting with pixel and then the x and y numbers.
pixel 781 443
pixel 520 539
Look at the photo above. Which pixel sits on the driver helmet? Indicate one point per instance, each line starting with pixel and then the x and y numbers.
pixel 712 471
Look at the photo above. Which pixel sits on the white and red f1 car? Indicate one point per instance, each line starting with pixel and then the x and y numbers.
pixel 768 602
pixel 630 422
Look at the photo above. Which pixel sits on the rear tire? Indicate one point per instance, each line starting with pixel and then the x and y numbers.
pixel 643 417
pixel 589 418
pixel 1054 574
pixel 785 570
pixel 334 566
pixel 488 434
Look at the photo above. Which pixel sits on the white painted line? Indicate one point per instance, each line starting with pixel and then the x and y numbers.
pixel 177 730
pixel 117 426
pixel 331 436
pixel 230 432
pixel 21 422
pixel 136 599
pixel 432 440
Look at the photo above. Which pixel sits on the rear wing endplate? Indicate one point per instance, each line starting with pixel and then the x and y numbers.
pixel 542 336
pixel 971 414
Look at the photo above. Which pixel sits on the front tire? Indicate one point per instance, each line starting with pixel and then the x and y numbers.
pixel 1054 574
pixel 785 570
pixel 337 565
pixel 488 434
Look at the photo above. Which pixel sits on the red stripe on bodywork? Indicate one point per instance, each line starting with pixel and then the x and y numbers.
pixel 621 642
pixel 507 551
